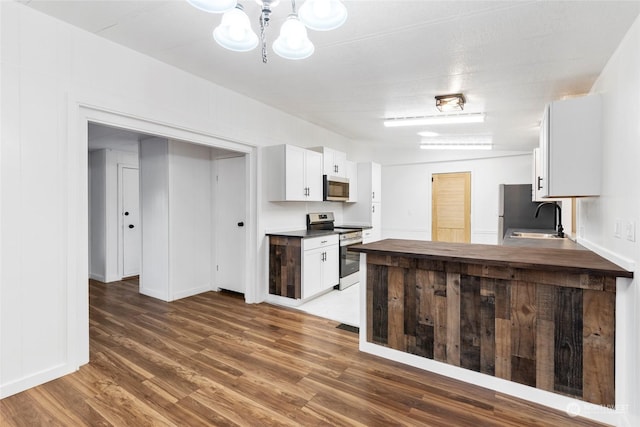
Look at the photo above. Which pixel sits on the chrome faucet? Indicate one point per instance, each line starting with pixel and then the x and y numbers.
pixel 557 217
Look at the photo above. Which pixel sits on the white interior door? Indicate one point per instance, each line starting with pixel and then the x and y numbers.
pixel 230 234
pixel 130 221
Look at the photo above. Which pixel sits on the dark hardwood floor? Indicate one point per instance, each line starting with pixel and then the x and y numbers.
pixel 213 360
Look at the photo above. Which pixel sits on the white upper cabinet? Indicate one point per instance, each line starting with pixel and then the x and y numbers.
pixel 334 162
pixel 376 182
pixel 570 156
pixel 368 209
pixel 294 173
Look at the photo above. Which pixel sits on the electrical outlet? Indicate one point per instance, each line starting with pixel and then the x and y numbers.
pixel 617 229
pixel 631 231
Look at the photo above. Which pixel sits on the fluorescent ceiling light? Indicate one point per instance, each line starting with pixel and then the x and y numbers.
pixel 428 134
pixel 435 120
pixel 461 142
pixel 434 146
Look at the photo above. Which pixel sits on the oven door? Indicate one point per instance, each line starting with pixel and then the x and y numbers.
pixel 349 261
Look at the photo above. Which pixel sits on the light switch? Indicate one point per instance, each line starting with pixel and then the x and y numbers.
pixel 631 231
pixel 617 229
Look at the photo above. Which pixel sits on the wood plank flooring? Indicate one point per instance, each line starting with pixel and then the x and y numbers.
pixel 211 360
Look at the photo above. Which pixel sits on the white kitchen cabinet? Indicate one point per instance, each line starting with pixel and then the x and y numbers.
pixel 320 264
pixel 368 209
pixel 334 162
pixel 352 176
pixel 376 180
pixel 294 173
pixel 570 154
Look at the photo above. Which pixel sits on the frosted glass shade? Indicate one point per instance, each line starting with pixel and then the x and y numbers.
pixel 293 42
pixel 235 33
pixel 323 15
pixel 214 6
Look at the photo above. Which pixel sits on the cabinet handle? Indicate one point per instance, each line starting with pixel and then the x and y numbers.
pixel 373 208
pixel 373 195
pixel 539 180
pixel 323 241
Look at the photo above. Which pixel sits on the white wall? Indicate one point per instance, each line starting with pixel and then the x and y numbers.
pixel 407 195
pixel 154 217
pixel 619 85
pixel 98 215
pixel 190 219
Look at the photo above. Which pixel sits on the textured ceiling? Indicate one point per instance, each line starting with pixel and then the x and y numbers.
pixel 391 58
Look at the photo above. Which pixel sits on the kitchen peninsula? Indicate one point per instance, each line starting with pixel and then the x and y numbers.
pixel 536 316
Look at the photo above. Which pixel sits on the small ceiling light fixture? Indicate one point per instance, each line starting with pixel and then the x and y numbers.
pixel 435 120
pixel 461 142
pixel 453 102
pixel 235 33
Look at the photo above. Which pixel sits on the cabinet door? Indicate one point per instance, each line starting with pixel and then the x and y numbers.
pixel 328 166
pixel 340 163
pixel 295 187
pixel 313 176
pixel 536 184
pixel 541 184
pixel 331 267
pixel 376 222
pixel 376 182
pixel 312 266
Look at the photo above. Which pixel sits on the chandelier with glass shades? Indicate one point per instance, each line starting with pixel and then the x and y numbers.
pixel 235 32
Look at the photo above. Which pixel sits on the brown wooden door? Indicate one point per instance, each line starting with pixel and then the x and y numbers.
pixel 451 207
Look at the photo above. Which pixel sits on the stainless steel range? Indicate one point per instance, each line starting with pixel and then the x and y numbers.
pixel 349 261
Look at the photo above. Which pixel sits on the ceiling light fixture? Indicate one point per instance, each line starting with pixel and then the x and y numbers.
pixel 460 142
pixel 428 133
pixel 235 33
pixel 435 120
pixel 453 102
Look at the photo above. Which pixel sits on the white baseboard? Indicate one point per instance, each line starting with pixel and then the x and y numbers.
pixel 98 277
pixel 155 294
pixel 35 379
pixel 190 292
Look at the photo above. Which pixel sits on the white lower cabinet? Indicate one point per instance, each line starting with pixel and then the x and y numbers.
pixel 320 264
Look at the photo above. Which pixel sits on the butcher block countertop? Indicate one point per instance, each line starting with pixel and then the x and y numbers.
pixel 558 260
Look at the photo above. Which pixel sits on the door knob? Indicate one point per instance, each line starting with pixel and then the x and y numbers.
pixel 131 225
pixel 126 214
pixel 241 224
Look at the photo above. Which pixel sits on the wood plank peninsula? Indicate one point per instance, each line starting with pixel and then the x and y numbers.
pixel 537 316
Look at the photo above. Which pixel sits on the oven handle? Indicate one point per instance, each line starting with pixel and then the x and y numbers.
pixel 349 242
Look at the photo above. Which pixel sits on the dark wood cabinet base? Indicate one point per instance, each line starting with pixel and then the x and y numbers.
pixel 552 330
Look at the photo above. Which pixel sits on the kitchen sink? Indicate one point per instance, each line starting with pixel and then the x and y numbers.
pixel 534 235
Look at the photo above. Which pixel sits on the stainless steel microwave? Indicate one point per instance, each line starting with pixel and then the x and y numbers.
pixel 336 189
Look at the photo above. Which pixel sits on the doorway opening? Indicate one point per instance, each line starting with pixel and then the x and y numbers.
pixel 451 207
pixel 203 214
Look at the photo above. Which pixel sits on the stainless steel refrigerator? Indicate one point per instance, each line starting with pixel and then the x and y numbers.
pixel 516 210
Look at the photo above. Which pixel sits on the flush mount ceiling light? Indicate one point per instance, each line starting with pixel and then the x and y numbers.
pixel 453 102
pixel 462 142
pixel 435 120
pixel 235 33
